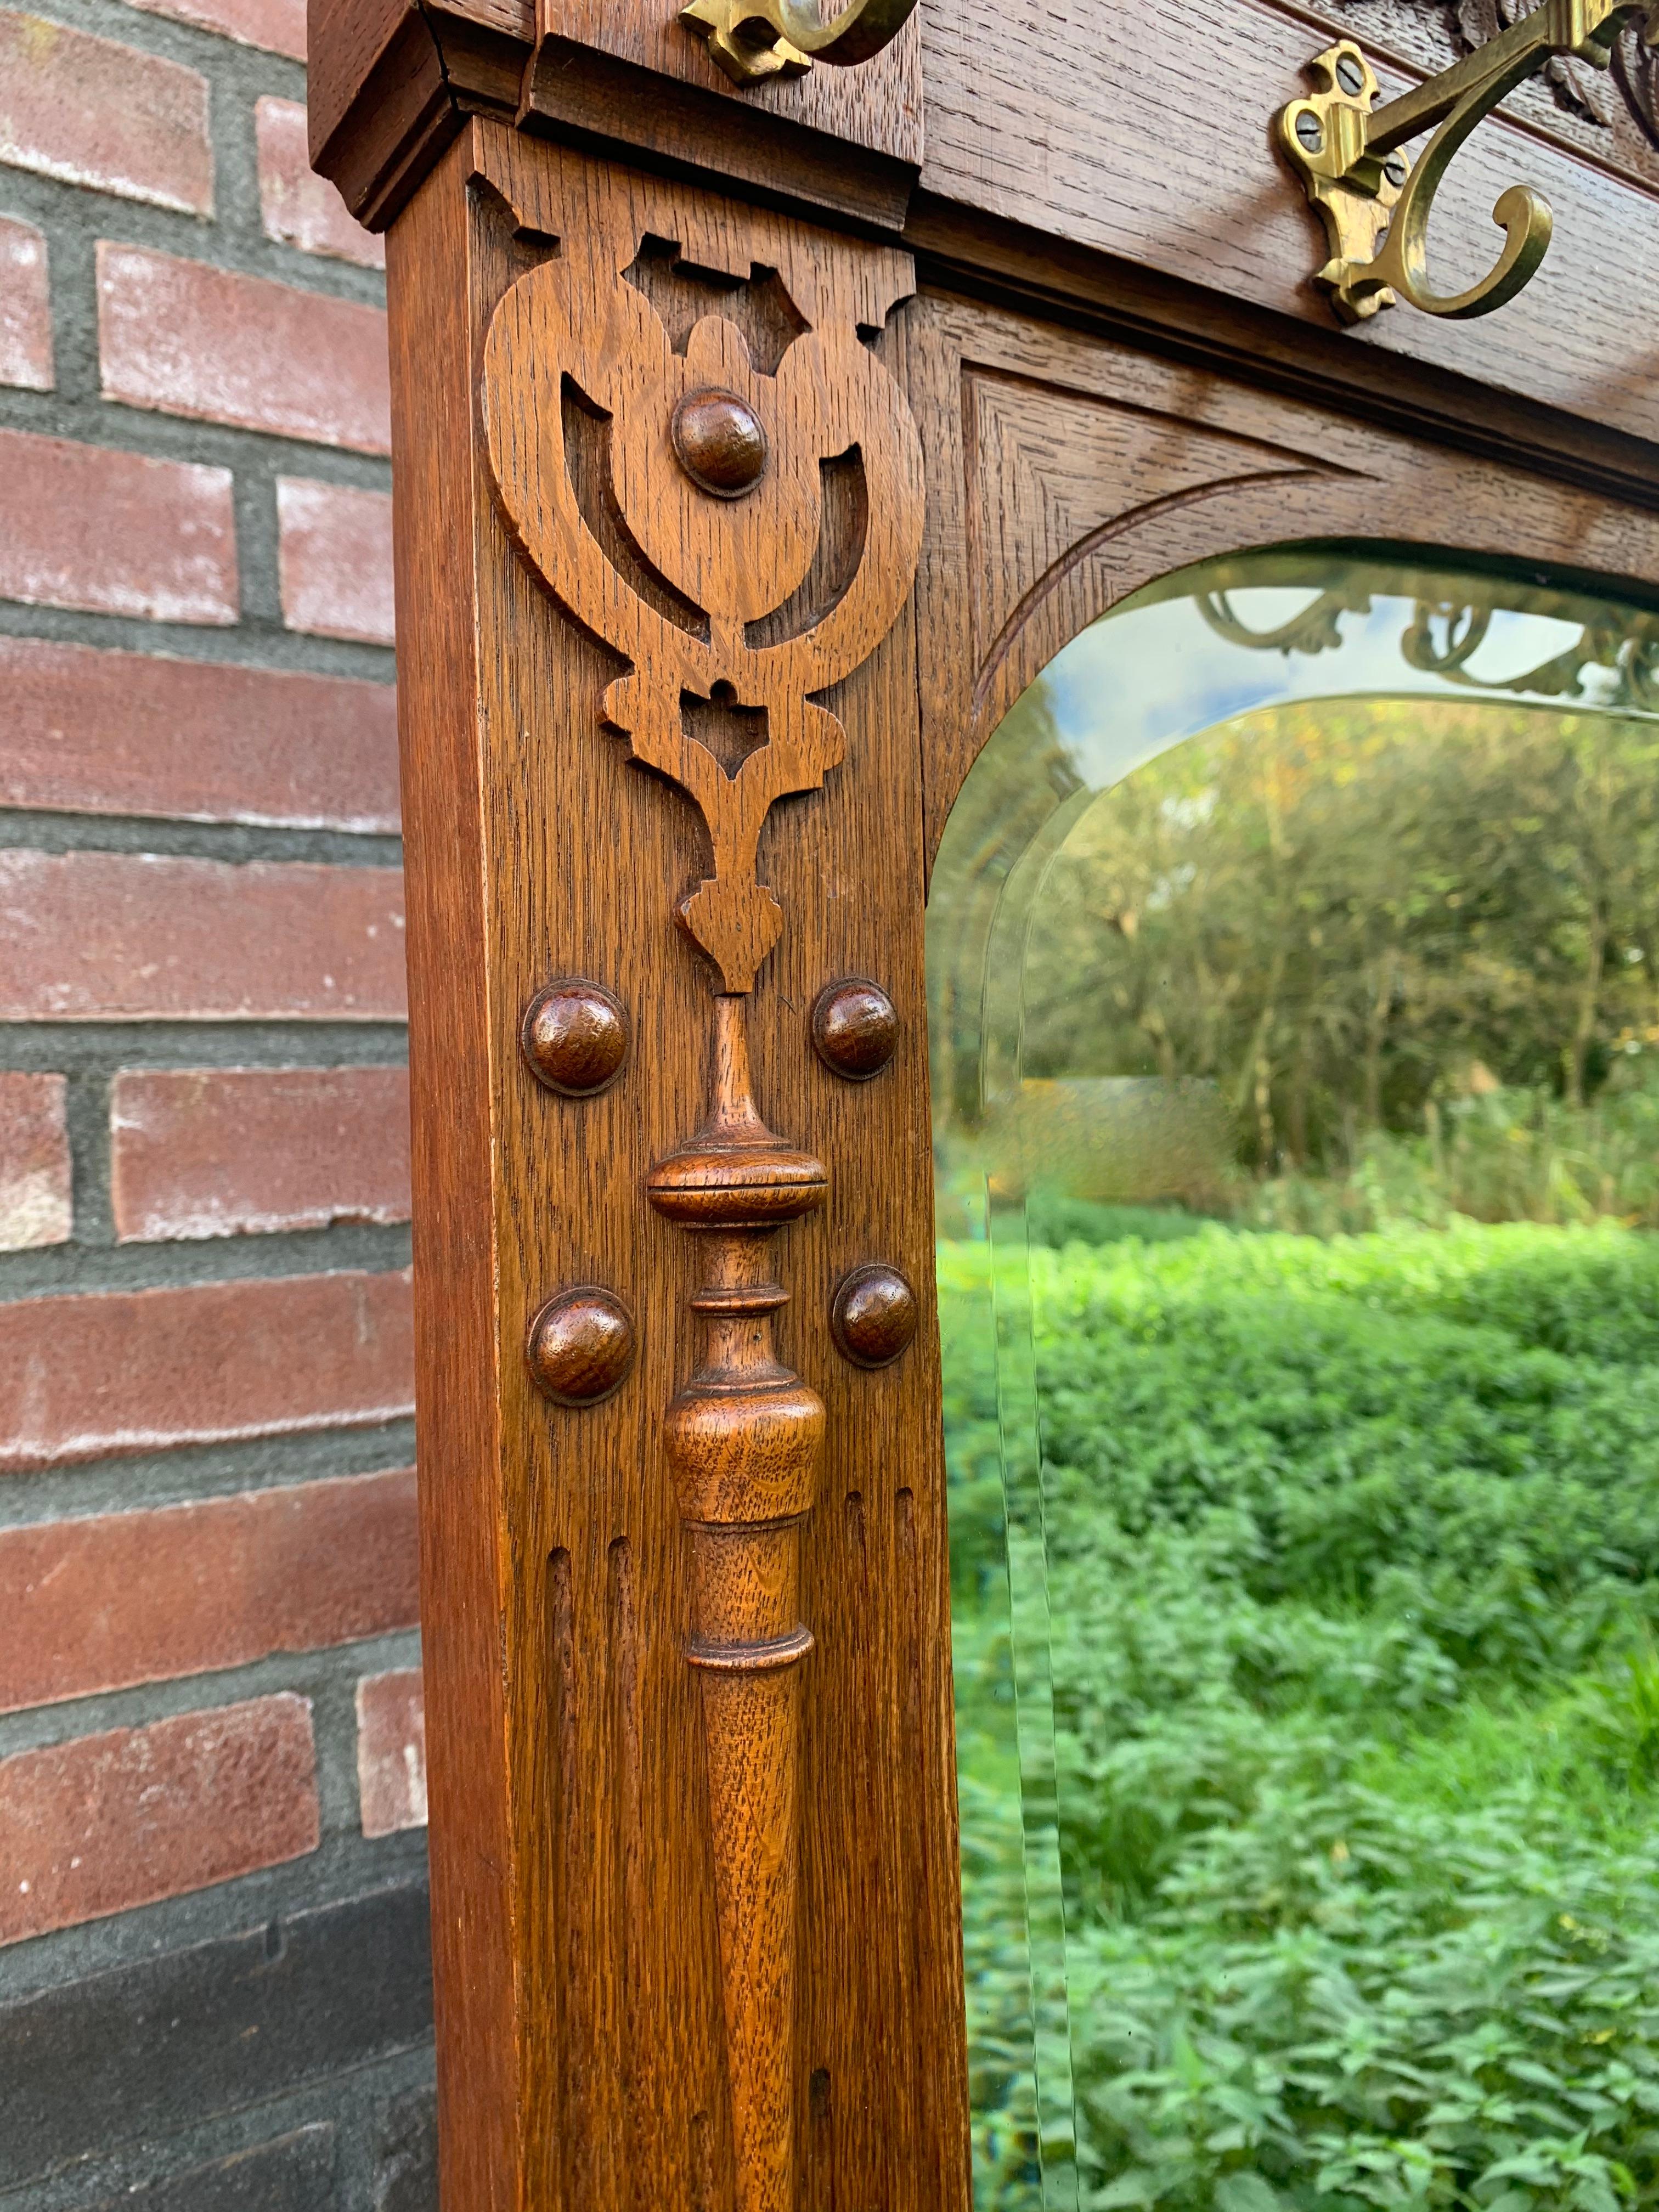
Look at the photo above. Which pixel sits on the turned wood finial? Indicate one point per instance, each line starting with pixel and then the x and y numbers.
pixel 742 1439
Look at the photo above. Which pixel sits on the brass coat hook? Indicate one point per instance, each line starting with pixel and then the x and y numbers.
pixel 756 39
pixel 1375 204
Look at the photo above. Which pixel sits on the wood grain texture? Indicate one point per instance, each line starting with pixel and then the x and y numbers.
pixel 344 47
pixel 391 81
pixel 708 599
pixel 575 1037
pixel 872 1315
pixel 711 568
pixel 877 107
pixel 1144 133
pixel 644 1998
pixel 1073 471
pixel 743 1437
pixel 579 1346
pixel 1020 270
pixel 461 1354
pixel 855 1030
pixel 565 1575
pixel 379 107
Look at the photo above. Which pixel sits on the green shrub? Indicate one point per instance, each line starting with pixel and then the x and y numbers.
pixel 1352 1577
pixel 1515 1153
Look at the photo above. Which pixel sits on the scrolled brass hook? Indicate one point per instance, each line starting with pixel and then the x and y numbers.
pixel 1375 205
pixel 1521 214
pixel 753 39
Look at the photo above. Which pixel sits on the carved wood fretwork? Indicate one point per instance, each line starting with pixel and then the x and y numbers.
pixel 614 1861
pixel 698 454
pixel 732 619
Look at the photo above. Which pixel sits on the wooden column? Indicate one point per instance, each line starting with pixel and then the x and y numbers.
pixel 743 1441
pixel 659 508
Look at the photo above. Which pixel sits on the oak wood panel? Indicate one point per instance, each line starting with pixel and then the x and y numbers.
pixel 1017 269
pixel 580 1985
pixel 343 46
pixel 1145 133
pixel 748 537
pixel 1074 471
pixel 878 106
pixel 458 1348
pixel 586 2058
pixel 392 80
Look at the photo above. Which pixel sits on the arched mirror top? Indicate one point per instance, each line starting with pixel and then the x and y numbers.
pixel 1293 963
pixel 1257 634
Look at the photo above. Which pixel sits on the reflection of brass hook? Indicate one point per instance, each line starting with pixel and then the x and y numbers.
pixel 756 39
pixel 1626 646
pixel 1376 206
pixel 1315 630
pixel 1630 653
pixel 1466 628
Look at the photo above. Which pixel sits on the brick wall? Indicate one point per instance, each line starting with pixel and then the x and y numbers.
pixel 214 1986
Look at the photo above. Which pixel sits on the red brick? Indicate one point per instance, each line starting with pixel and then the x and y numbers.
pixel 299 207
pixel 103 1823
pixel 223 1152
pixel 34 1163
pixel 391 1752
pixel 93 112
pixel 110 937
pixel 124 1371
pixel 114 533
pixel 24 307
pixel 334 551
pixel 279 26
pixel 94 733
pixel 224 348
pixel 120 1598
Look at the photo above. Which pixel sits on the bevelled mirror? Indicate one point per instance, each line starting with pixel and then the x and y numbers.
pixel 1291 956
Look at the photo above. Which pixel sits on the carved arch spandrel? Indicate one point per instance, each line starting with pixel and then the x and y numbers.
pixel 1069 472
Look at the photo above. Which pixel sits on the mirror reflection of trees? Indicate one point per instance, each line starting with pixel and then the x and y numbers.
pixel 1297 1085
pixel 1398 938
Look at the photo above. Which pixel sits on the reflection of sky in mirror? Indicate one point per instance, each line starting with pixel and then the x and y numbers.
pixel 1113 697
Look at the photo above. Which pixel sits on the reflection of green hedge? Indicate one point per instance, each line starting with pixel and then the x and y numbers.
pixel 1354 1569
pixel 1514 1154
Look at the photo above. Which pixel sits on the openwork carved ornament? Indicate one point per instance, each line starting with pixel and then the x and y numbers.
pixel 1613 114
pixel 730 495
pixel 578 327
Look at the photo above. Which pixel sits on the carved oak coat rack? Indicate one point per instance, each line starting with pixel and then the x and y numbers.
pixel 736 497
